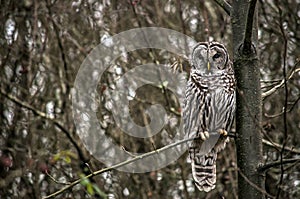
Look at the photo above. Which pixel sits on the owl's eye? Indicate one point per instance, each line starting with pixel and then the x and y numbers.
pixel 217 55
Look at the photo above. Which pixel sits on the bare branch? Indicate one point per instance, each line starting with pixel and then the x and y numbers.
pixel 45 116
pixel 136 158
pixel 278 163
pixel 249 26
pixel 56 181
pixel 25 105
pixel 225 5
pixel 279 146
pixel 286 92
pixel 254 185
pixel 275 88
pixel 65 87
pixel 284 109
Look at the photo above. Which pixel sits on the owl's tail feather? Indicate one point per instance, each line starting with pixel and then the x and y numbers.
pixel 204 171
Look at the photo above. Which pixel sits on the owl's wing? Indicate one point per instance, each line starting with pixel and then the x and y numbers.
pixel 219 110
pixel 219 116
pixel 193 107
pixel 207 111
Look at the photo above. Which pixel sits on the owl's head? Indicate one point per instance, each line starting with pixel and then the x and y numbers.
pixel 209 58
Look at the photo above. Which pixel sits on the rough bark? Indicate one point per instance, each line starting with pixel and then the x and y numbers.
pixel 248 114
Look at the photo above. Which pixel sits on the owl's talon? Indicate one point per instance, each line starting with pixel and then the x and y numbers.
pixel 204 135
pixel 223 132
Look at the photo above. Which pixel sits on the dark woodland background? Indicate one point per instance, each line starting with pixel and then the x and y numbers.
pixel 43 44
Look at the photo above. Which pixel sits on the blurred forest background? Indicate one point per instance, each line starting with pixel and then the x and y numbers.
pixel 43 44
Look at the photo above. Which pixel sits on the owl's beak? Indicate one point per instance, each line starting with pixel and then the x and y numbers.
pixel 208 65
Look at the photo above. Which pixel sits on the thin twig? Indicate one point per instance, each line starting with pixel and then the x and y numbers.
pixel 283 111
pixel 275 88
pixel 277 163
pixel 183 28
pixel 46 116
pixel 65 87
pixel 285 100
pixel 279 146
pixel 225 5
pixel 130 154
pixel 253 184
pixel 56 181
pixel 180 12
pixel 88 166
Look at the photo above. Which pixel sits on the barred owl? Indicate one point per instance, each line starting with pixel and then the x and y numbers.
pixel 209 109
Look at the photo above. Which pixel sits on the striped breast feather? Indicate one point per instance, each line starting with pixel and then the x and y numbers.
pixel 220 111
pixel 193 108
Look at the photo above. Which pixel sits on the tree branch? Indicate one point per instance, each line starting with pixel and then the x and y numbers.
pixel 254 185
pixel 249 27
pixel 284 110
pixel 279 146
pixel 275 88
pixel 225 5
pixel 277 163
pixel 45 116
pixel 286 92
pixel 136 158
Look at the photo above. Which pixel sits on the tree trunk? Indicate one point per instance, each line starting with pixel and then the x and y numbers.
pixel 248 113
